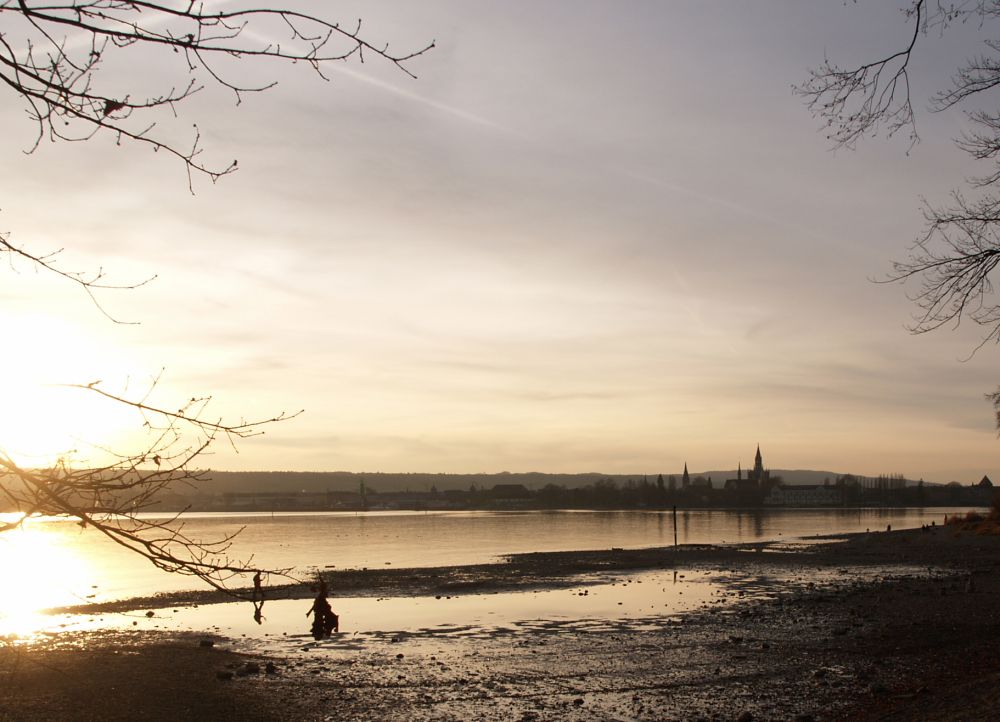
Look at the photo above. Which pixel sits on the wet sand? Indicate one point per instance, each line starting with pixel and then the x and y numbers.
pixel 908 646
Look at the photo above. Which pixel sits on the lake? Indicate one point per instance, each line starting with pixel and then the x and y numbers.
pixel 56 563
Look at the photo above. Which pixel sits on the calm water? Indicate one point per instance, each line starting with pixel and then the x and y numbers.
pixel 55 563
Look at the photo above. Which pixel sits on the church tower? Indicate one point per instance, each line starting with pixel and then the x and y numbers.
pixel 758 467
pixel 685 480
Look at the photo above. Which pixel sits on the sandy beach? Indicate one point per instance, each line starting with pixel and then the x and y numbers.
pixel 913 638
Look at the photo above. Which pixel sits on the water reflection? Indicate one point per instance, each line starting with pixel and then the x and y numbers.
pixel 54 563
pixel 598 602
pixel 40 570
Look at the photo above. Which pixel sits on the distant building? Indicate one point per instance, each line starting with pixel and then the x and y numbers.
pixel 757 479
pixel 510 491
pixel 985 483
pixel 759 474
pixel 803 495
pixel 291 500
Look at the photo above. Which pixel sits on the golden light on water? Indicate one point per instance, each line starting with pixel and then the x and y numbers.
pixel 39 573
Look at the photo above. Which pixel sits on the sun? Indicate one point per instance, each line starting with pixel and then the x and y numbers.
pixel 42 418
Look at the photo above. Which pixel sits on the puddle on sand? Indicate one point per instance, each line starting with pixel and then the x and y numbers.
pixel 598 602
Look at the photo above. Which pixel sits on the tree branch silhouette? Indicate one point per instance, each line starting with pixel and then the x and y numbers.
pixel 51 55
pixel 111 498
pixel 53 58
pixel 951 264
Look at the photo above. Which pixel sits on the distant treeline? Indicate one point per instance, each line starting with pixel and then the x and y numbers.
pixel 602 493
pixel 219 482
pixel 274 491
pixel 314 481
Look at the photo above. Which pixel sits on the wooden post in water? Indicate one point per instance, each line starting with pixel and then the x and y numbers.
pixel 675 527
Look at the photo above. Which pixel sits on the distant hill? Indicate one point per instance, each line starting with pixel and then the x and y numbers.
pixel 219 482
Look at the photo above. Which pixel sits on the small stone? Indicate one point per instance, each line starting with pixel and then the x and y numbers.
pixel 206 643
pixel 578 702
pixel 270 668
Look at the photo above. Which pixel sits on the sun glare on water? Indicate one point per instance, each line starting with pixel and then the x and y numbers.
pixel 39 573
pixel 42 420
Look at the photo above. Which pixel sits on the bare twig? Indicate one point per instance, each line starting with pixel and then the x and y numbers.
pixel 51 53
pixel 111 498
pixel 91 283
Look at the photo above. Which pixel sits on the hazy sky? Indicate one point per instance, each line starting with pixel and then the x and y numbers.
pixel 590 237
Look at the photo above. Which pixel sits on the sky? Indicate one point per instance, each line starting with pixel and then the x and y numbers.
pixel 587 237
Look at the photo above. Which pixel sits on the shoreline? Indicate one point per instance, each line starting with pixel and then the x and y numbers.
pixel 554 570
pixel 912 647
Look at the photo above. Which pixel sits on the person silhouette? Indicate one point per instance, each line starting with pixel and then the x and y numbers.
pixel 325 621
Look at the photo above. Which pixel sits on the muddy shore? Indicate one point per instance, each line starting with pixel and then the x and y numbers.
pixel 909 645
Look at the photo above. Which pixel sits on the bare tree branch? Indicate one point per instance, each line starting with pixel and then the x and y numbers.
pixel 111 498
pixel 51 54
pixel 951 264
pixel 860 101
pixel 91 283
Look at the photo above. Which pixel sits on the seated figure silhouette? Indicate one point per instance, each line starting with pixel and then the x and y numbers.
pixel 325 622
